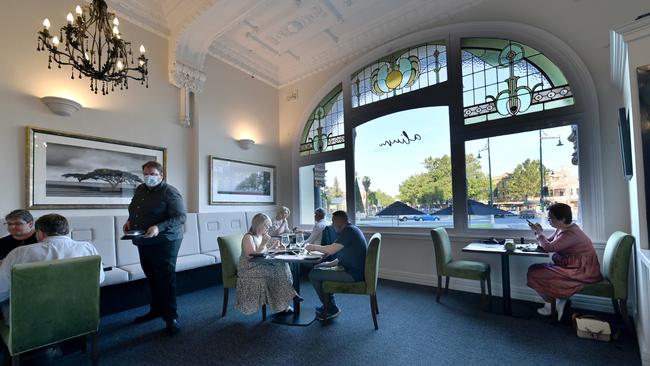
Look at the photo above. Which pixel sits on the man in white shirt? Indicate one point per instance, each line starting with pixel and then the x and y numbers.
pixel 51 231
pixel 316 236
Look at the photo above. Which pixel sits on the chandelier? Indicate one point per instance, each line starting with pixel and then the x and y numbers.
pixel 91 44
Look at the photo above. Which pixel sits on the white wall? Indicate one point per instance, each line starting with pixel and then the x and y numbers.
pixel 585 28
pixel 141 115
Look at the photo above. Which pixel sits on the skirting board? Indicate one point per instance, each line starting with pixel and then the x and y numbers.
pixel 517 292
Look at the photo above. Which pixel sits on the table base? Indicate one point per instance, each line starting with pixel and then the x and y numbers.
pixel 303 319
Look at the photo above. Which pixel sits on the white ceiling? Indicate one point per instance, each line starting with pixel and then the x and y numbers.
pixel 281 41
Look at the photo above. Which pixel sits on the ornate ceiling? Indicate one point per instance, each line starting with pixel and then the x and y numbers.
pixel 280 41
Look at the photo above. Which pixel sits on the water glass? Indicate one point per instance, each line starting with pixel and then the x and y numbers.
pixel 300 240
pixel 285 241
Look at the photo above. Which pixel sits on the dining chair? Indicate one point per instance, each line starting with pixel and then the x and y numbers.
pixel 447 267
pixel 366 287
pixel 615 268
pixel 230 249
pixel 52 301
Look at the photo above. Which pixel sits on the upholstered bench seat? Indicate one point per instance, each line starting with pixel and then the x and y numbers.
pixel 114 276
pixel 135 271
pixel 216 254
pixel 193 261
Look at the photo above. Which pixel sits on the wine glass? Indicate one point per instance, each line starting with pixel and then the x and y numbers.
pixel 300 240
pixel 285 241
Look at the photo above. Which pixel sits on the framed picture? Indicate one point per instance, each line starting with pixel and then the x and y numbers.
pixel 238 182
pixel 66 170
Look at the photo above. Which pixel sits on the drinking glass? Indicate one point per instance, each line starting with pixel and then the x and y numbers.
pixel 285 241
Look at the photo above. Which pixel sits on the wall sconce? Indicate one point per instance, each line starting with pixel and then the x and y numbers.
pixel 61 106
pixel 245 144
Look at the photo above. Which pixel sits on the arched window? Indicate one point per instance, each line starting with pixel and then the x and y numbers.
pixel 433 129
pixel 324 129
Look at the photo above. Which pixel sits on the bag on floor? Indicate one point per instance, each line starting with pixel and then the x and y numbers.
pixel 590 327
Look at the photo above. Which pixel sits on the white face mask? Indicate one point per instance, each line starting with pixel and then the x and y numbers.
pixel 151 180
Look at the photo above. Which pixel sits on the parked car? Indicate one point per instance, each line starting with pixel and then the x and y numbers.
pixel 528 214
pixel 403 218
pixel 426 217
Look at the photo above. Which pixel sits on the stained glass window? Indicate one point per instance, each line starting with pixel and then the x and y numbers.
pixel 324 128
pixel 503 78
pixel 400 72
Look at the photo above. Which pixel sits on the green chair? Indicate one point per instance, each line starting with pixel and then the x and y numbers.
pixel 50 302
pixel 366 287
pixel 329 235
pixel 230 249
pixel 446 266
pixel 615 267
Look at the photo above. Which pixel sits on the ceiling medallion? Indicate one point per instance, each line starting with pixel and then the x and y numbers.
pixel 91 44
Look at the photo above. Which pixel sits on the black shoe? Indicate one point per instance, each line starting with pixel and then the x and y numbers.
pixel 333 312
pixel 287 311
pixel 298 298
pixel 172 327
pixel 146 317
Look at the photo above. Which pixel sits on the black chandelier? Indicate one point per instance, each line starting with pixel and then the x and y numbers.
pixel 92 44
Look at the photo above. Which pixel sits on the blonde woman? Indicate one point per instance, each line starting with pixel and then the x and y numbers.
pixel 260 283
pixel 280 225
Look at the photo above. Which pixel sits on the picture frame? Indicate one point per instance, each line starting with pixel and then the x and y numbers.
pixel 234 182
pixel 66 170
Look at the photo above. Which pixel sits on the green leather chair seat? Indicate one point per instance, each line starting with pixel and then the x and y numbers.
pixel 603 288
pixel 332 287
pixel 470 270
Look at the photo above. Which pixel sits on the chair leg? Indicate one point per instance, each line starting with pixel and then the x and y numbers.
pixel 373 310
pixel 326 307
pixel 617 309
pixel 225 301
pixel 483 300
pixel 447 284
pixel 15 360
pixel 376 303
pixel 94 351
pixel 439 289
pixel 84 344
pixel 553 311
pixel 264 312
pixel 626 317
pixel 489 283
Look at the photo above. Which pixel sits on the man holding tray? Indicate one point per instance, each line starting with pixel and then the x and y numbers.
pixel 157 210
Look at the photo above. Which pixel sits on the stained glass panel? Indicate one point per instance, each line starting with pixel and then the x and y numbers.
pixel 324 129
pixel 400 72
pixel 503 78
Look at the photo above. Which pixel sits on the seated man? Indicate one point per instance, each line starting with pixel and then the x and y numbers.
pixel 51 231
pixel 349 253
pixel 20 225
pixel 316 235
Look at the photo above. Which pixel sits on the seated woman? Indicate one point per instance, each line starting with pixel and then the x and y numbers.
pixel 260 283
pixel 280 224
pixel 575 262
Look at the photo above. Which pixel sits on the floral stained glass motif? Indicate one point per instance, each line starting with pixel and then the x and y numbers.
pixel 324 129
pixel 400 72
pixel 503 78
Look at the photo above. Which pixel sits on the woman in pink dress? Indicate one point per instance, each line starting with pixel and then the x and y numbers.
pixel 575 262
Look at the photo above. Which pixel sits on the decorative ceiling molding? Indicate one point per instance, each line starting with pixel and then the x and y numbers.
pixel 145 14
pixel 186 77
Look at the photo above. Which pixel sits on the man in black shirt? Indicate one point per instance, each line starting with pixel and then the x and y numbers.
pixel 20 225
pixel 157 209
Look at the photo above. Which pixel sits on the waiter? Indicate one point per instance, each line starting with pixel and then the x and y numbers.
pixel 157 209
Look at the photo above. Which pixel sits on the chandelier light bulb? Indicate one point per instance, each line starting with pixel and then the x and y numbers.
pixel 141 62
pixel 46 23
pixel 78 10
pixel 120 65
pixel 116 22
pixel 142 50
pixel 70 18
pixel 55 41
pixel 86 56
pixel 115 30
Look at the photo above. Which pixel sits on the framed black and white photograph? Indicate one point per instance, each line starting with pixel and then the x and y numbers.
pixel 238 182
pixel 66 170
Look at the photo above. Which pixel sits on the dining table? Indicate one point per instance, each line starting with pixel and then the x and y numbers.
pixel 294 258
pixel 526 250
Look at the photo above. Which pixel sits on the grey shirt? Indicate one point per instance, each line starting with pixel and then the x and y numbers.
pixel 162 206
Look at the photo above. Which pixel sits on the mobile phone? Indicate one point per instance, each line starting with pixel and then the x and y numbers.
pixel 529 222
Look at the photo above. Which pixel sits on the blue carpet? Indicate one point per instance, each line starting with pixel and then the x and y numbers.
pixel 413 330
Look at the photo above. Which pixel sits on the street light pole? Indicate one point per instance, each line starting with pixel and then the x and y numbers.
pixel 487 147
pixel 541 166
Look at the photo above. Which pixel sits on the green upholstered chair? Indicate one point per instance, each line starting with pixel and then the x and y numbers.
pixel 230 249
pixel 615 267
pixel 329 235
pixel 50 302
pixel 446 266
pixel 366 287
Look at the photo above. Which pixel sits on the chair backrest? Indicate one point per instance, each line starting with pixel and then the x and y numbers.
pixel 442 248
pixel 616 262
pixel 52 301
pixel 329 235
pixel 230 249
pixel 372 263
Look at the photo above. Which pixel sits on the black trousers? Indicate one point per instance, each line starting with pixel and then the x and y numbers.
pixel 158 262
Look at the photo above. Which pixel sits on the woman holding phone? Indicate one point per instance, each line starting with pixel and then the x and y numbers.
pixel 575 262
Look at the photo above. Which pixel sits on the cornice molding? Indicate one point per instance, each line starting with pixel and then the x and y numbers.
pixel 187 77
pixel 619 39
pixel 142 17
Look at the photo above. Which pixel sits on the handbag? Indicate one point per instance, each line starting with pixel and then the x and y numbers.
pixel 590 327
